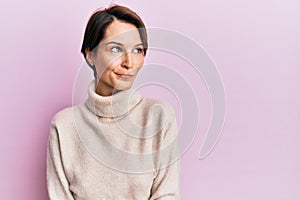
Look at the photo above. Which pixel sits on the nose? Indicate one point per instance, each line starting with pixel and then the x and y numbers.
pixel 127 61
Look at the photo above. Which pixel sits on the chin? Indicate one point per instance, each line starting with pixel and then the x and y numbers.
pixel 122 88
pixel 123 85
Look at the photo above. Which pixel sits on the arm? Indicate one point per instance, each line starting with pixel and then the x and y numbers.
pixel 166 183
pixel 57 183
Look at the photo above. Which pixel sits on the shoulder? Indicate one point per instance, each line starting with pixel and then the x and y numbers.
pixel 161 105
pixel 64 117
pixel 159 111
pixel 163 121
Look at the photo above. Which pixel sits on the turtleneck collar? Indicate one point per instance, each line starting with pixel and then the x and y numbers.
pixel 111 106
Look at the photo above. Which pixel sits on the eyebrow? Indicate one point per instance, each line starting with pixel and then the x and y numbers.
pixel 120 44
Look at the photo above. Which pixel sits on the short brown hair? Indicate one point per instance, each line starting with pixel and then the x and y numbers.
pixel 101 19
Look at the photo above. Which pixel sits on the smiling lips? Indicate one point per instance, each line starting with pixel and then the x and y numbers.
pixel 124 75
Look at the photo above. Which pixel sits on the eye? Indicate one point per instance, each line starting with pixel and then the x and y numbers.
pixel 138 50
pixel 115 49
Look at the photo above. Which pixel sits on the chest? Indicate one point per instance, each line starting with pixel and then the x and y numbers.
pixel 91 179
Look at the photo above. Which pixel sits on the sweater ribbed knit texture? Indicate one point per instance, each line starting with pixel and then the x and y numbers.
pixel 117 147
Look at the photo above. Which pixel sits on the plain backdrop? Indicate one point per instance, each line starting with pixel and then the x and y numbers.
pixel 255 45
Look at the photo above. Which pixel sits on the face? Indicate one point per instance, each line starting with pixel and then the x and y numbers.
pixel 118 58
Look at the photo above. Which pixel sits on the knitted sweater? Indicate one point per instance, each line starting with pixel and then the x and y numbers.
pixel 118 147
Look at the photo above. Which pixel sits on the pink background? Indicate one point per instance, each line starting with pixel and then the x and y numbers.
pixel 255 45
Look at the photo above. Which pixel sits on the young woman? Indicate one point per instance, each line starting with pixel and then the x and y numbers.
pixel 116 145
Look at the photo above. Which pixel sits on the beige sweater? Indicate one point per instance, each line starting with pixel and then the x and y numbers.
pixel 118 147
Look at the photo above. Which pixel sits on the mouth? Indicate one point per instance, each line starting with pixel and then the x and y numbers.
pixel 124 75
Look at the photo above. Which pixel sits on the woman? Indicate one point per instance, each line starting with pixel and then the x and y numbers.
pixel 115 145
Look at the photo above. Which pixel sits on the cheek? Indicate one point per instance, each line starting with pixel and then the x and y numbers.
pixel 112 62
pixel 139 61
pixel 105 64
pixel 105 75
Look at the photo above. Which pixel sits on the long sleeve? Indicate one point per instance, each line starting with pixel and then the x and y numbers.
pixel 166 183
pixel 57 183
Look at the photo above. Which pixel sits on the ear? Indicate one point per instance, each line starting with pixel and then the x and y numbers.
pixel 89 57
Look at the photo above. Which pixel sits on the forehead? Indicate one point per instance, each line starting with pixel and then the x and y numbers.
pixel 123 32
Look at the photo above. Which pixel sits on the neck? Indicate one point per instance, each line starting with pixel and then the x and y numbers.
pixel 104 90
pixel 117 104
